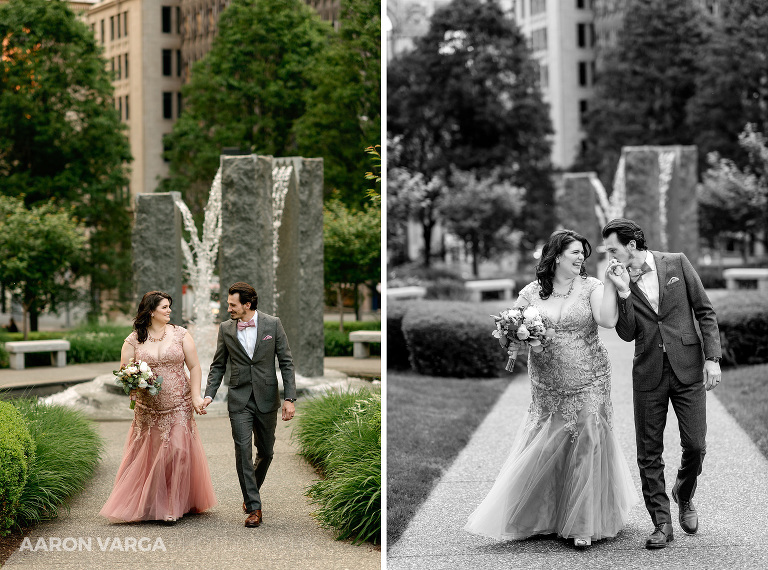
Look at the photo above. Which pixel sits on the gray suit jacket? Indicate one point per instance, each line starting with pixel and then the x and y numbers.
pixel 257 374
pixel 681 296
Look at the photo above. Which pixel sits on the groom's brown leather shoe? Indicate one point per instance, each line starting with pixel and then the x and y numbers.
pixel 245 510
pixel 689 518
pixel 660 536
pixel 254 519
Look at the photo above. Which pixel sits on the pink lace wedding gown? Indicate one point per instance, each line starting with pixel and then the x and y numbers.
pixel 164 473
pixel 566 473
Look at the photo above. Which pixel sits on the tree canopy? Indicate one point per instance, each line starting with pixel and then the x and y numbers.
pixel 60 137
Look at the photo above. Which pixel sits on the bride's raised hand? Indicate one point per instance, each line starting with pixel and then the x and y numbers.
pixel 617 274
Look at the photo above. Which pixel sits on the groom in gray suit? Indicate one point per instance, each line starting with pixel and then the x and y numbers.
pixel 250 342
pixel 659 295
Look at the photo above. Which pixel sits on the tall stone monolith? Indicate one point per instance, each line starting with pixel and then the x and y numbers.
pixel 575 210
pixel 156 244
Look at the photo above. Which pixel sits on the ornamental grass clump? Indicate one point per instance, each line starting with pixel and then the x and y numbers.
pixel 67 451
pixel 347 427
pixel 17 453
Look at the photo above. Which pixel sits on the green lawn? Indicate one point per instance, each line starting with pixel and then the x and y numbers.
pixel 429 421
pixel 743 391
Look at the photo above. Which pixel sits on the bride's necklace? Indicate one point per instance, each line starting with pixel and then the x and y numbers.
pixel 165 331
pixel 563 295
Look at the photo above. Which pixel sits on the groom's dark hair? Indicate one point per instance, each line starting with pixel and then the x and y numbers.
pixel 626 231
pixel 247 294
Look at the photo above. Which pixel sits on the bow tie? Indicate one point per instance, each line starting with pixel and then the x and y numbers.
pixel 645 268
pixel 241 326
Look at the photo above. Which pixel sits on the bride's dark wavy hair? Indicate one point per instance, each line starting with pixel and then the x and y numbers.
pixel 149 303
pixel 557 243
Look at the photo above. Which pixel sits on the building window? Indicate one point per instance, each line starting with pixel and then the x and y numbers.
pixel 538 6
pixel 111 28
pixel 581 33
pixel 126 66
pixel 119 67
pixel 583 74
pixel 119 35
pixel 522 9
pixel 166 19
pixel 593 69
pixel 167 105
pixel 178 104
pixel 539 39
pixel 583 108
pixel 580 4
pixel 120 107
pixel 178 19
pixel 178 63
pixel 167 63
pixel 166 148
pixel 127 109
pixel 112 61
pixel 544 76
pixel 103 37
pixel 125 24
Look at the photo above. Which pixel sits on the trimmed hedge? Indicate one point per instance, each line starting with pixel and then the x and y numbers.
pixel 337 343
pixel 397 348
pixel 17 453
pixel 452 339
pixel 742 317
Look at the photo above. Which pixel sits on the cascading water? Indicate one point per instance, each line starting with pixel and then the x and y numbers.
pixel 281 176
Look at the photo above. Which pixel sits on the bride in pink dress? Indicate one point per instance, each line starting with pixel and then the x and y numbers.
pixel 164 473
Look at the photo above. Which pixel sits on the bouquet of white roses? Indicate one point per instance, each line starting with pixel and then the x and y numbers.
pixel 138 375
pixel 519 327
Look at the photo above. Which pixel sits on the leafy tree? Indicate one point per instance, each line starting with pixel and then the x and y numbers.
pixel 343 111
pixel 483 212
pixel 351 248
pixel 468 96
pixel 735 199
pixel 247 92
pixel 60 136
pixel 732 87
pixel 645 83
pixel 39 252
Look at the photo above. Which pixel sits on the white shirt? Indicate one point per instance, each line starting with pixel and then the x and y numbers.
pixel 247 336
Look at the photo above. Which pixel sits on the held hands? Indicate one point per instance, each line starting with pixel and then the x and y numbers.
pixel 617 274
pixel 289 410
pixel 199 404
pixel 711 374
pixel 203 405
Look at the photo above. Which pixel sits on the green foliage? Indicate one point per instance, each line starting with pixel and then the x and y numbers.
pixel 340 434
pixel 743 323
pixel 67 451
pixel 337 343
pixel 88 343
pixel 60 135
pixel 343 111
pixel 468 96
pixel 39 248
pixel 17 453
pixel 447 290
pixel 452 339
pixel 247 92
pixel 645 83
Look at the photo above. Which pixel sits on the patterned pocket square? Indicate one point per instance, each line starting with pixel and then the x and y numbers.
pixel 673 280
pixel 268 337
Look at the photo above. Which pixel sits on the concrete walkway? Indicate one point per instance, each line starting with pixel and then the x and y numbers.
pixel 731 498
pixel 288 538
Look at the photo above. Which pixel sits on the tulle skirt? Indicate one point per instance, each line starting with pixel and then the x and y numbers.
pixel 552 483
pixel 159 481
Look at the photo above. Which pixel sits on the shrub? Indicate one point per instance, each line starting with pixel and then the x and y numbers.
pixel 743 322
pixel 711 276
pixel 340 434
pixel 17 453
pixel 397 349
pixel 453 340
pixel 67 450
pixel 337 343
pixel 448 290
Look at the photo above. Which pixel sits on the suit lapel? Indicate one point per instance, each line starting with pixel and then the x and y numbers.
pixel 231 330
pixel 260 323
pixel 661 269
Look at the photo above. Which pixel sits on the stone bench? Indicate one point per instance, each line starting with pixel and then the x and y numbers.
pixel 362 342
pixel 738 277
pixel 502 286
pixel 406 293
pixel 57 347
